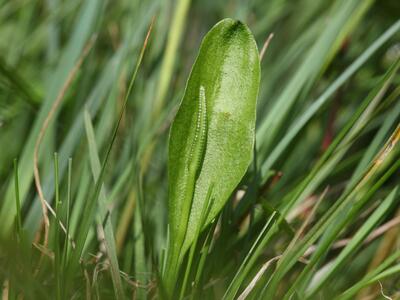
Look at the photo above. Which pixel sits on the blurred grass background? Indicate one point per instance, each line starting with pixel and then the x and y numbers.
pixel 314 43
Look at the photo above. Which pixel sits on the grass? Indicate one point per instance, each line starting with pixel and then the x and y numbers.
pixel 88 91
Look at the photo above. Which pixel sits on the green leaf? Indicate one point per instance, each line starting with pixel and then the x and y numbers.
pixel 212 136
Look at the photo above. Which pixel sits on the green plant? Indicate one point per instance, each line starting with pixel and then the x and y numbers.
pixel 213 130
pixel 301 204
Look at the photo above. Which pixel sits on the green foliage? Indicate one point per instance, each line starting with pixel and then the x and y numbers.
pixel 212 135
pixel 302 204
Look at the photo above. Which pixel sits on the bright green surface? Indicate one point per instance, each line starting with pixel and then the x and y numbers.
pixel 212 136
pixel 302 212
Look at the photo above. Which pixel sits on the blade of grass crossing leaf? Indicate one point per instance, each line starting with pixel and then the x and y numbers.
pixel 203 217
pixel 165 253
pixel 204 253
pixel 102 210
